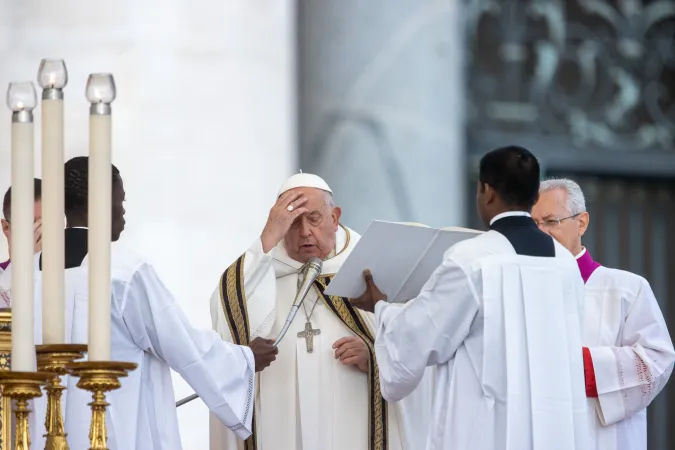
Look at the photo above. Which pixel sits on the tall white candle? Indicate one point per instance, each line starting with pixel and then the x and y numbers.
pixel 52 77
pixel 21 100
pixel 100 93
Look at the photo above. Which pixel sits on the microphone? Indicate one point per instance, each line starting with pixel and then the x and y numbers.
pixel 311 270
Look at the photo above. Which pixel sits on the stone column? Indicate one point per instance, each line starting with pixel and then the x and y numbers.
pixel 382 101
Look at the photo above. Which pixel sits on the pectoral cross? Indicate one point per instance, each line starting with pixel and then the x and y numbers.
pixel 309 334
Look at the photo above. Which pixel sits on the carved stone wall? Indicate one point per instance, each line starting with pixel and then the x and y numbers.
pixel 589 74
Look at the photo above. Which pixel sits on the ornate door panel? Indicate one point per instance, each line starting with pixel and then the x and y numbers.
pixel 587 74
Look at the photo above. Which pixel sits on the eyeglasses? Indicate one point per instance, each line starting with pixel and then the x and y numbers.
pixel 552 223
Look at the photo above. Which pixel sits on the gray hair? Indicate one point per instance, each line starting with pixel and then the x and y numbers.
pixel 576 203
pixel 329 199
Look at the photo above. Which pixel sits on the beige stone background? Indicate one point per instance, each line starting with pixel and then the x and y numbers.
pixel 203 125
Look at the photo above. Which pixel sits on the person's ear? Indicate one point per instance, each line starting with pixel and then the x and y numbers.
pixel 5 228
pixel 583 219
pixel 490 194
pixel 335 215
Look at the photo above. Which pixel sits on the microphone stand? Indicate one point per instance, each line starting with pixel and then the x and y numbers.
pixel 187 399
pixel 311 271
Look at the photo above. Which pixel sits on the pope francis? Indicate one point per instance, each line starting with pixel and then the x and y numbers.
pixel 323 392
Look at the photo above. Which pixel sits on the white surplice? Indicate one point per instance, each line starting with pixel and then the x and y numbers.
pixel 632 356
pixel 6 282
pixel 310 401
pixel 148 328
pixel 504 332
pixel 5 286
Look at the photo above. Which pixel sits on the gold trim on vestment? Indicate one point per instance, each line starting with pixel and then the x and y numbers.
pixel 237 301
pixel 377 405
pixel 347 239
pixel 233 302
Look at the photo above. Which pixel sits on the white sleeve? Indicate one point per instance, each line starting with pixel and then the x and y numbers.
pixel 628 377
pixel 221 373
pixel 426 332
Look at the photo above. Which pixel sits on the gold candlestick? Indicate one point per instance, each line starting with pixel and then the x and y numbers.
pixel 21 387
pixel 53 359
pixel 99 377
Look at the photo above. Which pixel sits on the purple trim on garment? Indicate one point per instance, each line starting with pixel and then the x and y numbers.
pixel 4 265
pixel 587 265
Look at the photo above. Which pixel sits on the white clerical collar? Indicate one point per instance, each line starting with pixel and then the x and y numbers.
pixel 77 228
pixel 509 214
pixel 583 251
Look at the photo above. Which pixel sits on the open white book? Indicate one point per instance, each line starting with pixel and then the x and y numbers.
pixel 401 257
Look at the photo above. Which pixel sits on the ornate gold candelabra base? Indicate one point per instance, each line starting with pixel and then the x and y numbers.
pixel 53 359
pixel 21 387
pixel 99 377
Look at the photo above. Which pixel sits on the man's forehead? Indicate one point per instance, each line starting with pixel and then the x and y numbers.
pixel 551 202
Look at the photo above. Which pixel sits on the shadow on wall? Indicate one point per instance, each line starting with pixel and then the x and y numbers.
pixel 388 168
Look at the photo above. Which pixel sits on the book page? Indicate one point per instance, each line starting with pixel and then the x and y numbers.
pixel 446 238
pixel 400 256
pixel 390 250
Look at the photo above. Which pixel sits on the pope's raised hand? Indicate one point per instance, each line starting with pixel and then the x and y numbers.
pixel 264 352
pixel 370 297
pixel 282 215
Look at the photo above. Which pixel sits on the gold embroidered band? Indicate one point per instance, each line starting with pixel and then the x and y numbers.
pixel 233 300
pixel 377 406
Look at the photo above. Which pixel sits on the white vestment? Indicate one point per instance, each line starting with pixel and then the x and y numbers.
pixel 632 356
pixel 148 328
pixel 6 283
pixel 5 286
pixel 310 401
pixel 504 331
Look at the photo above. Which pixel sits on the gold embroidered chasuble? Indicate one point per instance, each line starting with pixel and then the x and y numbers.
pixel 234 306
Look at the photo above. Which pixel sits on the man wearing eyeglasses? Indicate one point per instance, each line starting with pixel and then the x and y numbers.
pixel 628 353
pixel 5 272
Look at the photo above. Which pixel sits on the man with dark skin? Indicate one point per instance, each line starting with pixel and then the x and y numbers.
pixel 77 218
pixel 500 321
pixel 149 329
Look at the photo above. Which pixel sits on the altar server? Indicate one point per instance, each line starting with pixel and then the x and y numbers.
pixel 149 329
pixel 628 352
pixel 500 320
